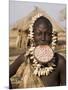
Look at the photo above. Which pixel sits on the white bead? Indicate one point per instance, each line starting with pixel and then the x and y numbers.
pixel 39 73
pixel 51 68
pixel 53 47
pixel 31 49
pixel 53 64
pixel 34 60
pixel 36 71
pixel 31 52
pixel 54 40
pixel 32 57
pixel 38 65
pixel 53 43
pixel 43 71
pixel 54 37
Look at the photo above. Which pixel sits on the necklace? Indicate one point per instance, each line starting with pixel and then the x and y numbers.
pixel 39 68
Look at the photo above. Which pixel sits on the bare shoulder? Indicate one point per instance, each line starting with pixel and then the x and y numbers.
pixel 61 58
pixel 61 61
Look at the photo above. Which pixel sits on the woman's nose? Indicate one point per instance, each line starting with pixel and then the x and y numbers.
pixel 43 37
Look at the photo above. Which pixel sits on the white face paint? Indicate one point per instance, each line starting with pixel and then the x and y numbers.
pixel 43 53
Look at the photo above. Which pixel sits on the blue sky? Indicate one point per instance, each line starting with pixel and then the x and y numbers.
pixel 19 9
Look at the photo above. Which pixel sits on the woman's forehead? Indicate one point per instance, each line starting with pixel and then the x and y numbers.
pixel 42 27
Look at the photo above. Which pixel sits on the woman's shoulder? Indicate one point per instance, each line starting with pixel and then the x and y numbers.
pixel 60 59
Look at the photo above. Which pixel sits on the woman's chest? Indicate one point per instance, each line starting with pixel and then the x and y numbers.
pixel 52 79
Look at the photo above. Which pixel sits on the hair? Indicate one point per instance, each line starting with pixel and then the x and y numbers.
pixel 42 20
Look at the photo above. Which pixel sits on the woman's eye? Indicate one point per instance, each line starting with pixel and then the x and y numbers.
pixel 38 33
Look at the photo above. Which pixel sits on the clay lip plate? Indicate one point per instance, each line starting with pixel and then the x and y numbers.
pixel 43 53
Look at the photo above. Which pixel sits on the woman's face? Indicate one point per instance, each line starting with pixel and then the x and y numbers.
pixel 42 35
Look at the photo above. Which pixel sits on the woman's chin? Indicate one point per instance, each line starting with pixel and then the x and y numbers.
pixel 43 44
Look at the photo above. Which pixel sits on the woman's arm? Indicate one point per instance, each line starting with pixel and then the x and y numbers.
pixel 62 70
pixel 15 65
